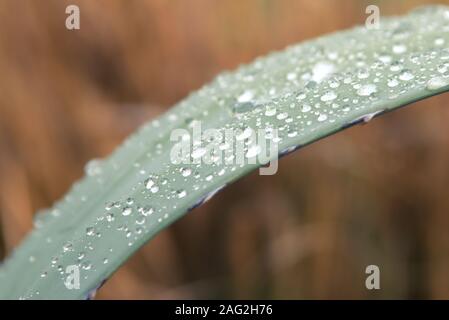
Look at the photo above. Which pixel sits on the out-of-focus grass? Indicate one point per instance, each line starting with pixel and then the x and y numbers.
pixel 66 97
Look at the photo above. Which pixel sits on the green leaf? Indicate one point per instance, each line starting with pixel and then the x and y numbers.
pixel 305 92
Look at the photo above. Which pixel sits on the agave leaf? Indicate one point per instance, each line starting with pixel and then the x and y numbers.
pixel 306 92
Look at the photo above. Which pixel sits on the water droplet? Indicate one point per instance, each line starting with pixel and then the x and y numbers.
pixel 185 172
pixel 149 183
pixel 181 193
pixel 328 96
pixel 385 59
pixel 93 167
pixel 140 220
pixel 443 68
pixel 363 74
pixel 291 76
pixel 439 41
pixel 367 90
pixel 406 75
pixel 306 108
pixel 322 117
pixel 245 96
pixel 393 82
pixel 86 265
pixel 90 231
pixel 127 211
pixel 67 247
pixel 110 217
pixel 270 111
pixel 399 48
pixel 396 66
pixel 146 211
pixel 282 116
pixel 437 83
pixel 54 261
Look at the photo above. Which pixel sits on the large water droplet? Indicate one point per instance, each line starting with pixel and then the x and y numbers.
pixel 367 90
pixel 437 83
pixel 328 96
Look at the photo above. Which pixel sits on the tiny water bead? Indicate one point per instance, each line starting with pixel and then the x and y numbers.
pixel 127 211
pixel 110 217
pixel 86 265
pixel 186 172
pixel 67 247
pixel 393 82
pixel 54 261
pixel 90 231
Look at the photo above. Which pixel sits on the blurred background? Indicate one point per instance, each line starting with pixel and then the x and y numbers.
pixel 373 194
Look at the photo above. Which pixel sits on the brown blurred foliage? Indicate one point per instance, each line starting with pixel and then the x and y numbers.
pixel 375 194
